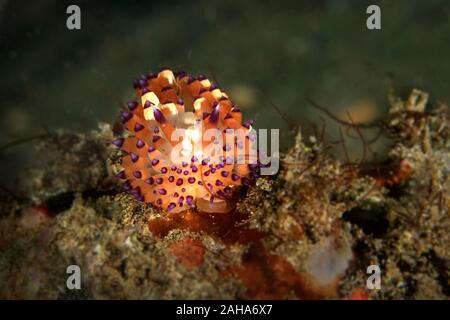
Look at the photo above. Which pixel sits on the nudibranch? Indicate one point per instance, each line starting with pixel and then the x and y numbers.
pixel 186 144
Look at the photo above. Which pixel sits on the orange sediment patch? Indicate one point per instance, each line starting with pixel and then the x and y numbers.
pixel 189 252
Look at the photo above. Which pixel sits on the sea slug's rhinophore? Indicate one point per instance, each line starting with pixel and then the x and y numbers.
pixel 186 144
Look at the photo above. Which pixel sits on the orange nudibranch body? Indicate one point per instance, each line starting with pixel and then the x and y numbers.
pixel 186 144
